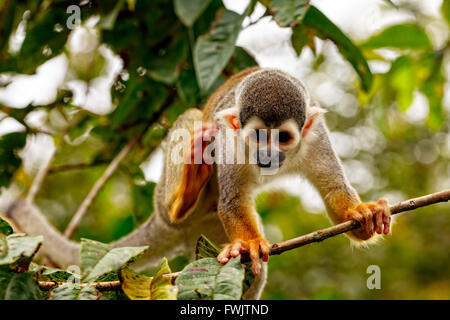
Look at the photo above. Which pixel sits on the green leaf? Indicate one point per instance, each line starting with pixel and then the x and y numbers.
pixel 136 286
pixel 207 279
pixel 140 101
pixel 20 251
pixel 41 34
pixel 5 276
pixel 9 159
pixel 433 88
pixel 322 27
pixel 161 287
pixel 288 12
pixel 446 10
pixel 3 247
pixel 141 287
pixel 91 252
pixel 5 228
pixel 165 67
pixel 402 36
pixel 70 291
pixel 241 60
pixel 213 50
pixel 55 274
pixel 402 78
pixel 300 37
pixel 203 23
pixel 189 11
pixel 205 248
pixel 173 111
pixel 187 87
pixel 19 286
pixel 151 139
pixel 8 12
pixel 113 261
pixel 108 21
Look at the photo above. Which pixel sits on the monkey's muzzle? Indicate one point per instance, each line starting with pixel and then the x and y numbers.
pixel 269 159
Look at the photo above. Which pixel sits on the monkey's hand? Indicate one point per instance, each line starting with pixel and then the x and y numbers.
pixel 255 247
pixel 373 217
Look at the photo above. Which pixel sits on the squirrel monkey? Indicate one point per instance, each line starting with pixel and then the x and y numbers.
pixel 280 130
pixel 272 111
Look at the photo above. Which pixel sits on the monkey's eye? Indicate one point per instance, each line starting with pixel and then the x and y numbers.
pixel 284 137
pixel 259 135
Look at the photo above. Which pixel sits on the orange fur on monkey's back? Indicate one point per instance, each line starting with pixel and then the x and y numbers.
pixel 235 79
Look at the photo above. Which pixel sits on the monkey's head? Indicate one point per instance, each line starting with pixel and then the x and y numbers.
pixel 272 113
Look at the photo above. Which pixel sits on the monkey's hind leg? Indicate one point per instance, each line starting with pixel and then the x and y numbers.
pixel 186 180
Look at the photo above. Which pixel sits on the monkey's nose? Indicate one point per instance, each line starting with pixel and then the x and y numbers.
pixel 269 159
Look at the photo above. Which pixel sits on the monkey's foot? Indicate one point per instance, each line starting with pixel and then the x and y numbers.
pixel 373 217
pixel 255 247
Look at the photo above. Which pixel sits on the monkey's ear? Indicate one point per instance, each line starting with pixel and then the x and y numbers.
pixel 229 117
pixel 312 114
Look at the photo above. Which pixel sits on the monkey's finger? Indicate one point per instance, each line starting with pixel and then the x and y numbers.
pixel 245 247
pixel 359 216
pixel 236 248
pixel 383 202
pixel 355 215
pixel 378 217
pixel 224 255
pixel 387 223
pixel 265 250
pixel 254 256
pixel 256 267
pixel 368 217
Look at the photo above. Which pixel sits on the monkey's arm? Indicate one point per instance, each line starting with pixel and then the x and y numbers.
pixel 323 168
pixel 238 215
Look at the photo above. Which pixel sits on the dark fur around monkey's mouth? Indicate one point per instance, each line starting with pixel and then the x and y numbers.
pixel 268 159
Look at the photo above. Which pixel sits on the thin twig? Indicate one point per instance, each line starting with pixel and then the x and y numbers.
pixel 75 166
pixel 100 286
pixel 320 235
pixel 44 169
pixel 278 248
pixel 39 180
pixel 76 219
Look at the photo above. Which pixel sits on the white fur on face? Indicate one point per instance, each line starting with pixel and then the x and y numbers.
pixel 252 125
pixel 291 127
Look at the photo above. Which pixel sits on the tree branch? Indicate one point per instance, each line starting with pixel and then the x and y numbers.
pixel 278 248
pixel 100 286
pixel 76 219
pixel 320 235
pixel 38 180
pixel 75 166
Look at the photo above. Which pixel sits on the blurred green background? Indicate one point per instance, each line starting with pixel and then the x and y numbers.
pixel 71 96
